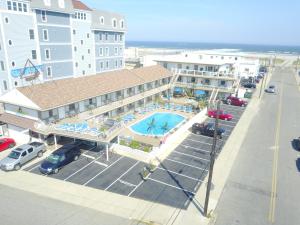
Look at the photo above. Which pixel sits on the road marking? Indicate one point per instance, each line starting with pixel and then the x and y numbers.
pixel 275 161
pixel 88 156
pixel 201 150
pixel 135 188
pixel 103 171
pixel 182 189
pixel 100 163
pixel 188 139
pixel 192 178
pixel 33 168
pixel 82 168
pixel 196 167
pixel 121 175
pixel 127 183
pixel 180 153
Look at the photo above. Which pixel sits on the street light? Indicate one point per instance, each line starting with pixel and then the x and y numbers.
pixel 212 159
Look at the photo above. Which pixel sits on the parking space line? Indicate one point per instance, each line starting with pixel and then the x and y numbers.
pixel 188 139
pixel 122 175
pixel 182 189
pixel 180 153
pixel 103 170
pixel 82 168
pixel 137 186
pixel 192 178
pixel 226 125
pixel 100 163
pixel 127 183
pixel 201 150
pixel 88 156
pixel 196 167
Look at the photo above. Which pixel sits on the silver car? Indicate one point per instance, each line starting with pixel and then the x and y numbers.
pixel 21 155
pixel 270 89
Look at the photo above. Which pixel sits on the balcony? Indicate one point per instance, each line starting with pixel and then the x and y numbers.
pixel 206 87
pixel 204 74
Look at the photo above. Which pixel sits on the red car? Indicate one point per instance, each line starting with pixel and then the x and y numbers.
pixel 231 100
pixel 6 143
pixel 222 115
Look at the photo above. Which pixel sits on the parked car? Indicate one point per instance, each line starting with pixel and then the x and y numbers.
pixel 297 143
pixel 222 115
pixel 60 158
pixel 249 85
pixel 270 89
pixel 6 143
pixel 207 129
pixel 21 155
pixel 231 100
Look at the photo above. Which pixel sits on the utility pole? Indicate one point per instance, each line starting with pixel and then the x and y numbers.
pixel 212 159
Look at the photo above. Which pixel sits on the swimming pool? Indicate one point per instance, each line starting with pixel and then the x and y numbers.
pixel 158 124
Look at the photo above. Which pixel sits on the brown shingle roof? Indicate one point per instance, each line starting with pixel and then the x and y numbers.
pixel 57 93
pixel 17 121
pixel 79 5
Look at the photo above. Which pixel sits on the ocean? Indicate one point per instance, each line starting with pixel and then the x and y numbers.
pixel 276 49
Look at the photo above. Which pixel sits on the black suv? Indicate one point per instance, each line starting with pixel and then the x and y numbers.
pixel 207 129
pixel 249 85
pixel 60 158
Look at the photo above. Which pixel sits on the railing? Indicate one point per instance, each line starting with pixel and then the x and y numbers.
pixel 201 73
pixel 199 85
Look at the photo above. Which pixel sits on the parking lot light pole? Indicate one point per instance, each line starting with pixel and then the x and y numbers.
pixel 212 159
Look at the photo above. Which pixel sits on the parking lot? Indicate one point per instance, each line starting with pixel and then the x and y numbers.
pixel 173 183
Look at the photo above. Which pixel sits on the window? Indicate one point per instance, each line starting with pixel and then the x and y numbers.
pixel 107 64
pixel 5 85
pixel 74 32
pixel 30 150
pixel 223 82
pixel 47 54
pixel 2 65
pixel 100 36
pixel 120 50
pixel 84 16
pixel 121 63
pixel 24 154
pixel 49 71
pixel 33 54
pixel 15 6
pixel 81 42
pixel 122 24
pixel 101 51
pixel 10 42
pixel 106 36
pixel 82 57
pixel 116 37
pixel 89 51
pixel 75 48
pixel 25 7
pixel 45 35
pixel 88 35
pixel 107 51
pixel 76 64
pixel 101 65
pixel 114 22
pixel 76 15
pixel 20 8
pixel 44 16
pixel 83 72
pixel 16 83
pixel 31 34
pixel 9 5
pixel 116 51
pixel 90 66
pixel 116 64
pixel 102 20
pixel 6 20
pixel 121 37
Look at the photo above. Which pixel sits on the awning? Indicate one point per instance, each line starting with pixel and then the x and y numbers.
pixel 17 121
pixel 178 90
pixel 199 92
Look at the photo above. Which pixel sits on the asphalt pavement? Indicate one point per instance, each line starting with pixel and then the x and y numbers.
pixel 263 186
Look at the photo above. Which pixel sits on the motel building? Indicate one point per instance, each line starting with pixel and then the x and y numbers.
pixel 86 108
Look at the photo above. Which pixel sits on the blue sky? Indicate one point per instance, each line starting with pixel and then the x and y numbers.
pixel 214 21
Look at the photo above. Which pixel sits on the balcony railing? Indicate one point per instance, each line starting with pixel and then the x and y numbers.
pixel 201 73
pixel 209 86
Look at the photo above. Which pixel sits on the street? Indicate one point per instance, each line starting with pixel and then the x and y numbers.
pixel 264 181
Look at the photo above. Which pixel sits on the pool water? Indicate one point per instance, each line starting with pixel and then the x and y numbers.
pixel 157 124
